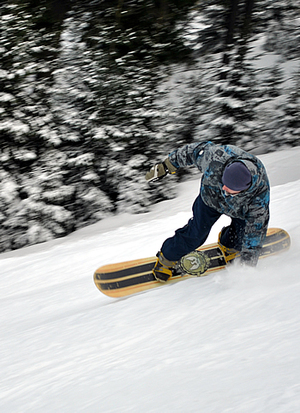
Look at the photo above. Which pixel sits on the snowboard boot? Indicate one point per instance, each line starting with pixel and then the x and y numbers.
pixel 229 253
pixel 163 268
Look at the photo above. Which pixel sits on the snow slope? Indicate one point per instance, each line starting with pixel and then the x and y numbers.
pixel 229 342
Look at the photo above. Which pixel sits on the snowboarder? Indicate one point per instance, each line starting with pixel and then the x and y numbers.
pixel 234 183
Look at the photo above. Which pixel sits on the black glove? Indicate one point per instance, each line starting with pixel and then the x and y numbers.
pixel 160 170
pixel 249 258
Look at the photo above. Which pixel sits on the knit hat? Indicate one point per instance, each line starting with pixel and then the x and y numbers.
pixel 236 176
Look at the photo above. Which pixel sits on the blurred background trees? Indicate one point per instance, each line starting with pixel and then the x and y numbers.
pixel 93 92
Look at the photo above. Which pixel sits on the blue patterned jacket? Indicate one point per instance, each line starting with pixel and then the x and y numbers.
pixel 251 205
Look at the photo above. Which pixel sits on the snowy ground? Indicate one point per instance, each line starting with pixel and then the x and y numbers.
pixel 229 342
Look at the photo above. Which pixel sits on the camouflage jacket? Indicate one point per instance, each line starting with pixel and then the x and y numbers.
pixel 251 205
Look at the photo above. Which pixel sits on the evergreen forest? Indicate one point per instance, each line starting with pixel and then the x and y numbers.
pixel 93 92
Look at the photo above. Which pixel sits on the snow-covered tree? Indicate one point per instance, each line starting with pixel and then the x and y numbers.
pixel 91 98
pixel 282 27
pixel 292 112
pixel 111 67
pixel 27 128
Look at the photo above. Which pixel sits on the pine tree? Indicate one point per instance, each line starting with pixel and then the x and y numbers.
pixel 278 22
pixel 121 67
pixel 292 111
pixel 89 102
pixel 27 129
pixel 82 142
pixel 224 110
pixel 283 31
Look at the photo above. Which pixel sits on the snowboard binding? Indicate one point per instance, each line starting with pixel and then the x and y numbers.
pixel 195 263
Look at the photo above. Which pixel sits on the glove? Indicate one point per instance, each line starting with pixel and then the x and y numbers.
pixel 249 258
pixel 160 170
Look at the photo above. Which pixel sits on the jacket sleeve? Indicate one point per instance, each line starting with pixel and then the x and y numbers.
pixel 197 154
pixel 255 229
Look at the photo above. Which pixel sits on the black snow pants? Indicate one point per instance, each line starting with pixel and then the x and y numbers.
pixel 195 232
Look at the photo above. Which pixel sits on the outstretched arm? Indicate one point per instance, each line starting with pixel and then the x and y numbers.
pixel 188 155
pixel 193 154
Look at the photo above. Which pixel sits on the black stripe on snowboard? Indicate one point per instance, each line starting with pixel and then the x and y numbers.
pixel 125 273
pixel 216 261
pixel 276 237
pixel 148 267
pixel 278 241
pixel 276 244
pixel 127 283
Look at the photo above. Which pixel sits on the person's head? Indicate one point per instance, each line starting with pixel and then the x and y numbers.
pixel 236 178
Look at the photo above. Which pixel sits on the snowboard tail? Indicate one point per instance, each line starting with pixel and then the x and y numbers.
pixel 130 277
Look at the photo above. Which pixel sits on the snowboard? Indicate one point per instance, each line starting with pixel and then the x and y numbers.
pixel 130 277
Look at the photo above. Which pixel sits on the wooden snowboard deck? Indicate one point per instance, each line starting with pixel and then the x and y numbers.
pixel 130 277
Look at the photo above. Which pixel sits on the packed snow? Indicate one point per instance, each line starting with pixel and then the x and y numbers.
pixel 229 342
